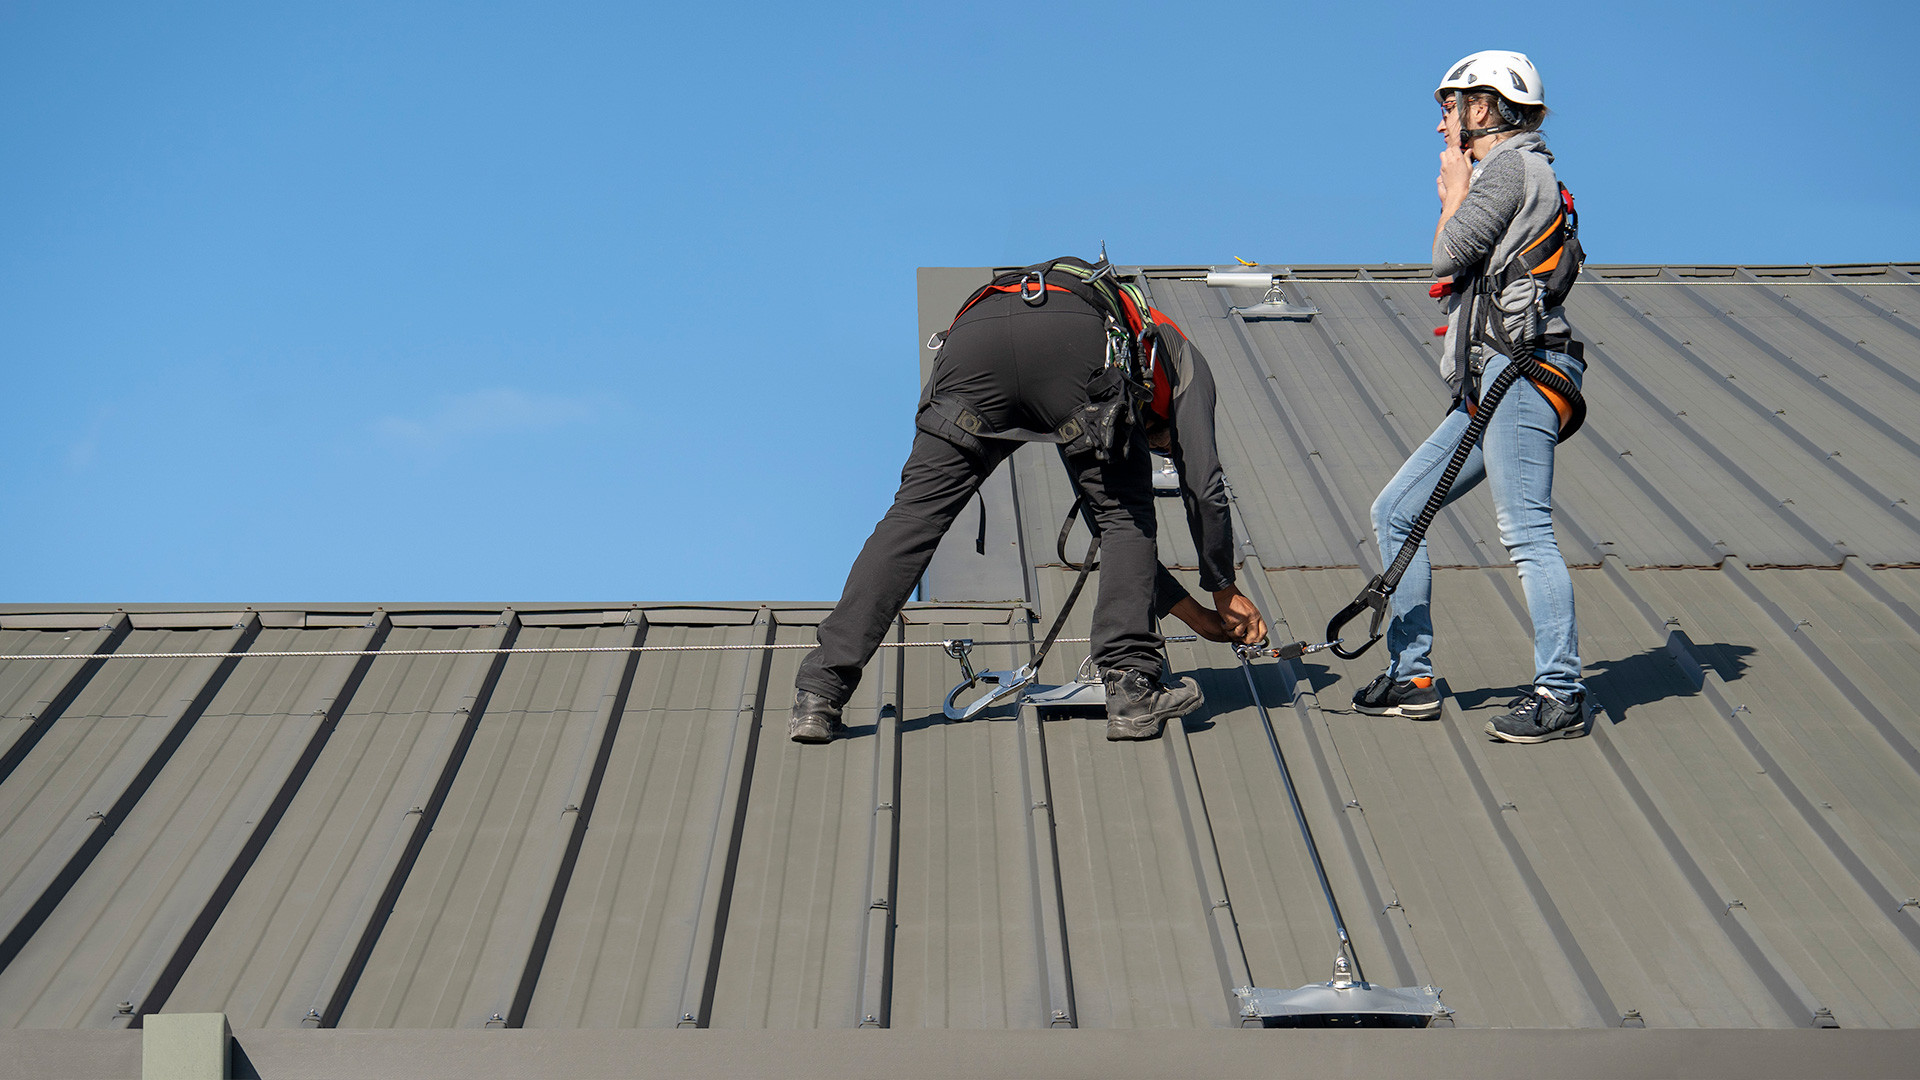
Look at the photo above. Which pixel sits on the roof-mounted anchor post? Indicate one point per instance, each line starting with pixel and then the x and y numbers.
pixel 1274 305
pixel 1347 999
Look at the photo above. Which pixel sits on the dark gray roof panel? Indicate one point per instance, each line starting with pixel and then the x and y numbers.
pixel 623 839
pixel 1320 413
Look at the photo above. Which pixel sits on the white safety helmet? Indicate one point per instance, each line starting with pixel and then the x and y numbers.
pixel 1509 74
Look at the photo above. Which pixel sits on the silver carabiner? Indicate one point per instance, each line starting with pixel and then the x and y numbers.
pixel 1007 684
pixel 1039 281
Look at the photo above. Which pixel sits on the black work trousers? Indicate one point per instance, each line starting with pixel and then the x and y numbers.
pixel 1017 366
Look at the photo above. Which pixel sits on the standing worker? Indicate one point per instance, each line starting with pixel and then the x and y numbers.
pixel 1063 353
pixel 1500 204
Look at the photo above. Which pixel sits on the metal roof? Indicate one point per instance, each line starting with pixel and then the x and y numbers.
pixel 618 839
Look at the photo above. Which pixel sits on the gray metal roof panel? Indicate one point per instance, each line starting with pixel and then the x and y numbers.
pixel 405 857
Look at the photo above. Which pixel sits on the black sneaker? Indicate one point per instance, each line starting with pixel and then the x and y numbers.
pixel 1539 716
pixel 814 718
pixel 1415 699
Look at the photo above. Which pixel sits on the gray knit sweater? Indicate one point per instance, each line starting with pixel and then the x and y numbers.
pixel 1514 198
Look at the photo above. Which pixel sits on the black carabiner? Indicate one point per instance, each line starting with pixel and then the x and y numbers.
pixel 1373 596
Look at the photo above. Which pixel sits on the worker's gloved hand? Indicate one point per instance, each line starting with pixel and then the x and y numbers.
pixel 1201 620
pixel 1241 618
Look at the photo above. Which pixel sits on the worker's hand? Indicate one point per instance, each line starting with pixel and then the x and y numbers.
pixel 1456 176
pixel 1241 618
pixel 1201 620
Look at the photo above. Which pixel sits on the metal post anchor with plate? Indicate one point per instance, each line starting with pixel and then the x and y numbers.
pixel 1347 999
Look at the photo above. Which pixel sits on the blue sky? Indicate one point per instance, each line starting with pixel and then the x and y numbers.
pixel 487 301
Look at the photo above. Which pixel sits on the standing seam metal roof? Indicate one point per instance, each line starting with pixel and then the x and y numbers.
pixel 626 839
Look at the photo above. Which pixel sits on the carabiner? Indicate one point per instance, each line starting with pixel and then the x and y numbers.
pixel 1039 281
pixel 1007 684
pixel 1373 596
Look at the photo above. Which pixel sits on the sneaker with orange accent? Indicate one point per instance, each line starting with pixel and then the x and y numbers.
pixel 1414 699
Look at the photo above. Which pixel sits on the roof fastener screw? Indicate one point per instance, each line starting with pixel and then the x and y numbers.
pixel 1632 1016
pixel 1353 804
pixel 880 903
pixel 313 1015
pixel 869 1019
pixel 570 808
pixel 1390 907
pixel 686 1018
pixel 1731 904
pixel 126 1008
pixel 413 810
pixel 1508 806
pixel 1059 1014
pixel 96 816
pixel 496 1018
pixel 1910 902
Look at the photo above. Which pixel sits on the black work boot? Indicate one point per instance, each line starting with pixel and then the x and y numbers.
pixel 814 720
pixel 1539 715
pixel 1415 698
pixel 1138 705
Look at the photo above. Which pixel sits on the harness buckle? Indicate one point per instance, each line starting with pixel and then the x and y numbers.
pixel 1039 282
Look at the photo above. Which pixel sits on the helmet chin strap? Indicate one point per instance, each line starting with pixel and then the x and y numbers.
pixel 1467 135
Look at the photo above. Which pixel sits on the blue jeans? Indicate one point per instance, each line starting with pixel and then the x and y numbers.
pixel 1516 456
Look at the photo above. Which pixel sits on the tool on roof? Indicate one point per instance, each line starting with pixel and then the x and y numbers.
pixel 1347 999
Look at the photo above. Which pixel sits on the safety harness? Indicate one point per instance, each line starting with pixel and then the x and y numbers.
pixel 1132 387
pixel 1549 265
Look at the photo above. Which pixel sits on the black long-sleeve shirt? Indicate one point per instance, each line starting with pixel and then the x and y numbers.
pixel 1203 485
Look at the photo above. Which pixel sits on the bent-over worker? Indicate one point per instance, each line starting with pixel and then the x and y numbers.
pixel 1031 358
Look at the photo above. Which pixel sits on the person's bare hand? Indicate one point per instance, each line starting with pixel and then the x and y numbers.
pixel 1201 620
pixel 1456 175
pixel 1241 618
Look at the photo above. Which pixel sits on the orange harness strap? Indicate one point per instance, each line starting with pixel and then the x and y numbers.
pixel 1561 406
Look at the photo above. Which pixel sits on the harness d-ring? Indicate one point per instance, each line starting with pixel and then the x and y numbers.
pixel 1039 282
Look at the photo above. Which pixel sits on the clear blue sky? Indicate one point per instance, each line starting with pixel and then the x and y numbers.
pixel 559 301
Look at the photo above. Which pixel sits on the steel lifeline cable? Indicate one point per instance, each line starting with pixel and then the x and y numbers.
pixel 538 650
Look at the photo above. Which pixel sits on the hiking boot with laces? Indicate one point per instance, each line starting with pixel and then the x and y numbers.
pixel 1415 698
pixel 1139 705
pixel 1541 715
pixel 814 719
